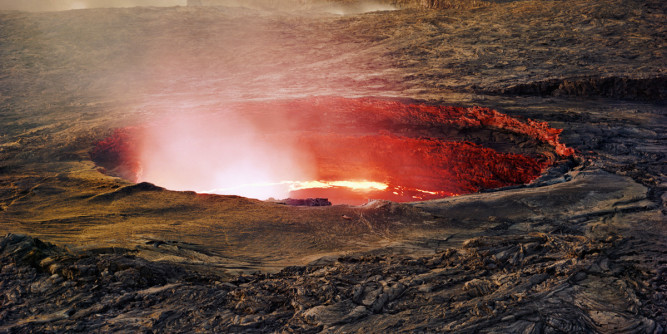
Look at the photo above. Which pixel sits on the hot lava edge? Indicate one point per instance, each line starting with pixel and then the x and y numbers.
pixel 352 150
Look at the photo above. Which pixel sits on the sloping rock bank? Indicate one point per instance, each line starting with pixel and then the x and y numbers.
pixel 531 283
pixel 649 89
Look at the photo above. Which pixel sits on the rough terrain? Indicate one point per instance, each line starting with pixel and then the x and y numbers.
pixel 582 249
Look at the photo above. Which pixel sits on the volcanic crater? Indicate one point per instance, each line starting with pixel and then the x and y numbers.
pixel 346 150
pixel 301 104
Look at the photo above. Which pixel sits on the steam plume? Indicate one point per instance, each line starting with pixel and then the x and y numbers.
pixel 226 153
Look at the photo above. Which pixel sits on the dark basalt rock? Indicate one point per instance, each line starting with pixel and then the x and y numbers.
pixel 649 89
pixel 126 191
pixel 585 254
pixel 534 283
pixel 308 202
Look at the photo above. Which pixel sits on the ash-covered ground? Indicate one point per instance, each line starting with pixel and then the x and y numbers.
pixel 581 249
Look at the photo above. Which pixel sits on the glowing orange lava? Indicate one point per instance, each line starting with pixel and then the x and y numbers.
pixel 346 150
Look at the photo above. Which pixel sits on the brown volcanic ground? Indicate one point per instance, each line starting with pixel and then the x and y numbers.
pixel 580 250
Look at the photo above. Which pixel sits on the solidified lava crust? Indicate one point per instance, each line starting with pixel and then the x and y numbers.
pixel 419 151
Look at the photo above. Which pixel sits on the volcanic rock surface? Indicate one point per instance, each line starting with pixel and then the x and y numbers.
pixel 580 249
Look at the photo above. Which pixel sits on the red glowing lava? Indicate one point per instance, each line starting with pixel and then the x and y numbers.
pixel 346 150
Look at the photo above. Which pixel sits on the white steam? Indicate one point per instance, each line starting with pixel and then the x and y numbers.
pixel 58 5
pixel 227 152
pixel 333 7
pixel 341 8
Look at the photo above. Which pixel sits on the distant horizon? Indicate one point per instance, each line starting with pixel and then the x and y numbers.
pixel 61 5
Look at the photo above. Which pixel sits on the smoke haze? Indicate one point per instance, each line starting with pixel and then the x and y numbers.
pixel 339 8
pixel 57 5
pixel 173 68
pixel 224 153
pixel 328 6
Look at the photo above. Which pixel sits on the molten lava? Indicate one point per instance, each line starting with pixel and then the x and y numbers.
pixel 346 150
